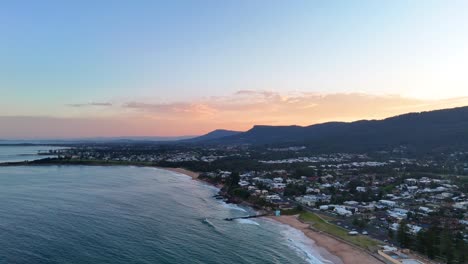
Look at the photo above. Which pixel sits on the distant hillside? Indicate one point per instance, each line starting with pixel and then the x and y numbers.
pixel 426 131
pixel 214 135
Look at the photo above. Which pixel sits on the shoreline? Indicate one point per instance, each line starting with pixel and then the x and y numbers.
pixel 337 252
pixel 328 247
pixel 191 174
pixel 345 252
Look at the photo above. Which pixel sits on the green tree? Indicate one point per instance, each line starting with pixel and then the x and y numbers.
pixel 242 193
pixel 420 244
pixel 403 235
pixel 390 233
pixel 447 248
pixel 233 181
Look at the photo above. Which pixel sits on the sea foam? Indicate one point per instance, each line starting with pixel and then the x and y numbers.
pixel 233 207
pixel 303 245
pixel 247 222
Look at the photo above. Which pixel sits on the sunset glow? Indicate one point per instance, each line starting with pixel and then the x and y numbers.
pixel 112 68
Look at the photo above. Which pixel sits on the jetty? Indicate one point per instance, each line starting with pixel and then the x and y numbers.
pixel 245 217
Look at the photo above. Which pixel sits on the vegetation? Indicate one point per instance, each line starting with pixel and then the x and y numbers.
pixel 294 190
pixel 403 235
pixel 320 224
pixel 297 210
pixel 441 244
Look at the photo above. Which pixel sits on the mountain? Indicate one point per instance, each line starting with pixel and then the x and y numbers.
pixel 426 131
pixel 214 135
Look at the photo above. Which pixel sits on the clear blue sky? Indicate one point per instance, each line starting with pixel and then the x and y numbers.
pixel 55 53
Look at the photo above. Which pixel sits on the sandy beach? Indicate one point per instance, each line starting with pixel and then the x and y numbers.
pixel 343 252
pixel 347 254
pixel 192 174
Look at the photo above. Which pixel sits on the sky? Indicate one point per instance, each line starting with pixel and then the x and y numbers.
pixel 168 68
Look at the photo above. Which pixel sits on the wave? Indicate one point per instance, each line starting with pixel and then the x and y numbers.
pixel 233 207
pixel 208 186
pixel 303 245
pixel 247 222
pixel 206 221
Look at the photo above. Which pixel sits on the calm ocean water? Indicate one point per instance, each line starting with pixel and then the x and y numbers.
pixel 22 153
pixel 80 214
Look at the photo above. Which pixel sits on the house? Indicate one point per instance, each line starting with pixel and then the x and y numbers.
pixel 461 205
pixel 279 186
pixel 361 189
pixel 308 200
pixel 324 207
pixel 398 213
pixel 342 211
pixel 312 190
pixel 225 174
pixel 387 203
pixel 278 180
pixel 411 182
pixel 272 197
pixel 414 229
pixel 425 210
pixel 351 203
pixel 392 255
pixel 243 183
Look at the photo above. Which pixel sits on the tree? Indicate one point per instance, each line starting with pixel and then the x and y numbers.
pixel 233 181
pixel 293 189
pixel 242 193
pixel 447 246
pixel 420 245
pixel 430 242
pixel 299 208
pixel 403 235
pixel 390 233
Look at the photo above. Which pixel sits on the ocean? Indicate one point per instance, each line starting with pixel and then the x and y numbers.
pixel 85 214
pixel 23 153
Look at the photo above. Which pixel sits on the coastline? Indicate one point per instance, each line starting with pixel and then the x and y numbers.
pixel 328 247
pixel 192 174
pixel 346 253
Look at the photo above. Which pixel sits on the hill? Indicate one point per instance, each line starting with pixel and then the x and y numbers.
pixel 214 135
pixel 440 129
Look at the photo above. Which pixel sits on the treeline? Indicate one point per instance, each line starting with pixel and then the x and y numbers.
pixel 435 243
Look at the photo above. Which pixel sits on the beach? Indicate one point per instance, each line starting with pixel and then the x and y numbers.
pixel 343 252
pixel 192 174
pixel 347 253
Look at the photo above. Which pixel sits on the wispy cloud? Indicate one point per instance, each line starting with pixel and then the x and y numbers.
pixel 90 104
pixel 268 107
pixel 239 111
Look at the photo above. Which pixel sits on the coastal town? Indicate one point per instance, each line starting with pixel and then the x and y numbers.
pixel 396 205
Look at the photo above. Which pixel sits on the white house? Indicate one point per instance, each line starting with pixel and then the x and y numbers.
pixel 361 189
pixel 278 180
pixel 387 203
pixel 425 210
pixel 278 185
pixel 342 211
pixel 243 183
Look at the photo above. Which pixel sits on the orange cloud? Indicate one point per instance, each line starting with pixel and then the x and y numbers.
pixel 247 107
pixel 239 111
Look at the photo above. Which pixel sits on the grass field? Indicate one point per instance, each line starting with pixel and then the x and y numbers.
pixel 320 224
